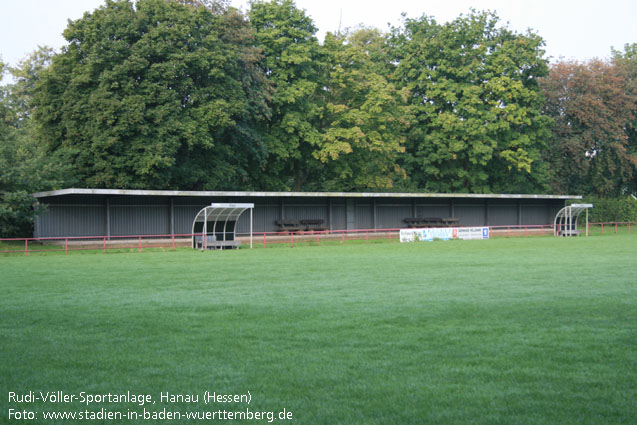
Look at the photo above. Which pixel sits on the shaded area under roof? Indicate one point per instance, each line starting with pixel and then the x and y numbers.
pixel 109 212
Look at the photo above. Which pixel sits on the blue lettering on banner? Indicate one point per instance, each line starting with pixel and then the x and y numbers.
pixel 444 233
pixel 485 233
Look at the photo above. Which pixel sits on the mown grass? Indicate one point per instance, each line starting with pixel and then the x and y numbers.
pixel 505 331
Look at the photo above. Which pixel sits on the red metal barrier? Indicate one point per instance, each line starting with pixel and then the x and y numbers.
pixel 140 242
pixel 616 224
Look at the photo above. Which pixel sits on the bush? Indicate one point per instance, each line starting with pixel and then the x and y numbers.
pixel 612 209
pixel 16 214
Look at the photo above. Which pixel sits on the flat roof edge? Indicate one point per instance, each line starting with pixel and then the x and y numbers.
pixel 176 193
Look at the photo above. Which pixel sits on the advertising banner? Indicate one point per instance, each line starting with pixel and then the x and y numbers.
pixel 443 233
pixel 410 235
pixel 466 233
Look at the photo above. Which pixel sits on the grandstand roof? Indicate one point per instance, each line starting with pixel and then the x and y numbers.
pixel 177 193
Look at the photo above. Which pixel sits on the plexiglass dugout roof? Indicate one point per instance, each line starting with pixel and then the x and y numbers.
pixel 222 212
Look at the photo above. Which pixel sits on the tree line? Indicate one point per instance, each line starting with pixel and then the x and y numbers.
pixel 195 95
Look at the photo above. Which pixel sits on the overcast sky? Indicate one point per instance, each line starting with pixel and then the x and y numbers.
pixel 573 29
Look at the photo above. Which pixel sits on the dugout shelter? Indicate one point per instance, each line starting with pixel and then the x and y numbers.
pixel 214 227
pixel 566 220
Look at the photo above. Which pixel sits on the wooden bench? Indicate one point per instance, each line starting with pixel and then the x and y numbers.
pixel 313 224
pixel 431 221
pixel 287 226
pixel 451 221
pixel 423 221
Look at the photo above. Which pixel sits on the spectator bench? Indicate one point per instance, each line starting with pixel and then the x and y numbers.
pixel 313 224
pixel 286 226
pixel 293 226
pixel 431 221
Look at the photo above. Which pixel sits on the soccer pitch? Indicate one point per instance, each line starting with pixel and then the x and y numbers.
pixel 504 331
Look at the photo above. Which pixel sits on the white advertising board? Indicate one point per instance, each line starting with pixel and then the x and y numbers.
pixel 410 235
pixel 466 233
pixel 443 233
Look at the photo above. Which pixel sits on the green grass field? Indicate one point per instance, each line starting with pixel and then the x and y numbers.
pixel 505 331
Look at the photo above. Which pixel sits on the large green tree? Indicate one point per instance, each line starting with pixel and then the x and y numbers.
pixel 593 108
pixel 363 124
pixel 476 103
pixel 627 61
pixel 336 119
pixel 25 165
pixel 156 94
pixel 294 65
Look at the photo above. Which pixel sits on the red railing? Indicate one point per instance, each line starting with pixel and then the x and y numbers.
pixel 612 227
pixel 93 243
pixel 266 239
pixel 262 239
